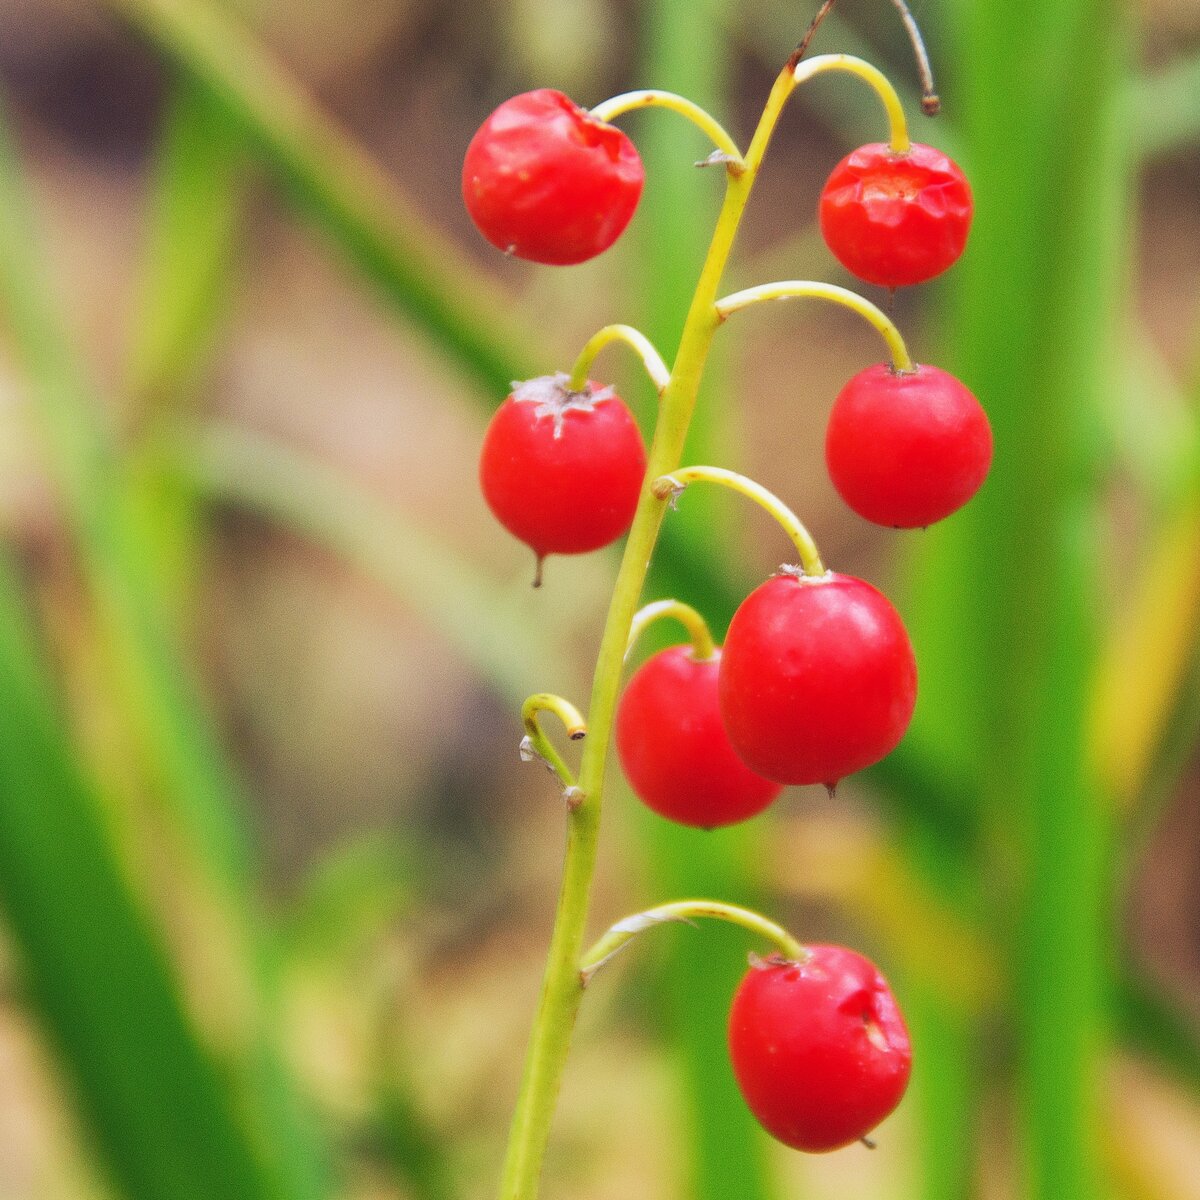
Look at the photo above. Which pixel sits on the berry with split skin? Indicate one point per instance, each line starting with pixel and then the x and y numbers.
pixel 819 1048
pixel 896 219
pixel 561 469
pixel 674 749
pixel 818 678
pixel 545 181
pixel 906 449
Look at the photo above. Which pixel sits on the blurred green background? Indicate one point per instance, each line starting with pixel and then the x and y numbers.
pixel 275 887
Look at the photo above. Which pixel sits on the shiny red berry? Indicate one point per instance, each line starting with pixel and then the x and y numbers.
pixel 896 219
pixel 544 180
pixel 907 449
pixel 819 1048
pixel 562 470
pixel 818 678
pixel 674 749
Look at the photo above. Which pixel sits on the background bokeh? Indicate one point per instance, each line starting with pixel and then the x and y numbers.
pixel 277 888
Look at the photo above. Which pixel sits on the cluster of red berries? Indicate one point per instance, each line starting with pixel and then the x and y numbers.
pixel 817 677
pixel 546 181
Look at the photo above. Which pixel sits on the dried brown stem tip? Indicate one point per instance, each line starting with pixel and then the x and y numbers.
pixel 930 102
pixel 794 60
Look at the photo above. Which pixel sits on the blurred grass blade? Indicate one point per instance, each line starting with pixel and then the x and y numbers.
pixel 1147 703
pixel 194 209
pixel 416 268
pixel 409 1144
pixel 160 1111
pixel 85 465
pixel 1175 747
pixel 1155 1028
pixel 1147 1021
pixel 933 791
pixel 1006 610
pixel 196 199
pixel 335 941
pixel 934 863
pixel 186 763
pixel 348 900
pixel 1153 646
pixel 1154 426
pixel 233 466
pixel 947 1081
pixel 1164 109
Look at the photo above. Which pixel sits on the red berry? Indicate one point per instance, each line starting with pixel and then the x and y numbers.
pixel 544 180
pixel 674 749
pixel 819 1048
pixel 818 678
pixel 896 219
pixel 562 470
pixel 907 449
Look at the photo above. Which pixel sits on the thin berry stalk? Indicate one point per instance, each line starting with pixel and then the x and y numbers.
pixel 562 987
pixel 618 936
pixel 697 629
pixel 806 549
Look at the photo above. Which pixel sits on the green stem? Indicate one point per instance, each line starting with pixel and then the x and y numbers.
pixel 656 98
pixel 537 744
pixel 897 126
pixel 701 637
pixel 562 988
pixel 669 487
pixel 641 345
pixel 624 931
pixel 792 289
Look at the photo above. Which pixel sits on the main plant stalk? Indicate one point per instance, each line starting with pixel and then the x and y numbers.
pixel 562 985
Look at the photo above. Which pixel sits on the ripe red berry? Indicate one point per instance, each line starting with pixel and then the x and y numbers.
pixel 562 470
pixel 819 1048
pixel 674 749
pixel 544 180
pixel 818 678
pixel 907 449
pixel 896 219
